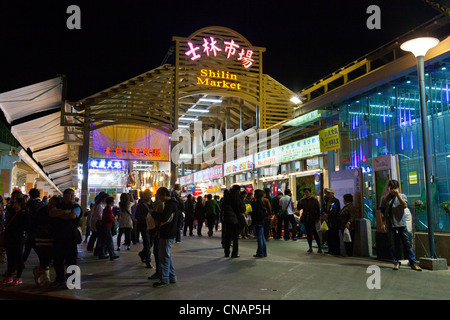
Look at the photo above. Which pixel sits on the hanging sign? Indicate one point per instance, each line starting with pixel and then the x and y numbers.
pixel 106 164
pixel 304 148
pixel 267 157
pixel 239 165
pixel 329 139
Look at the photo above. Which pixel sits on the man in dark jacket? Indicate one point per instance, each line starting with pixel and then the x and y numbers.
pixel 331 216
pixel 310 216
pixel 33 205
pixel 65 219
pixel 144 206
pixel 166 216
pixel 233 210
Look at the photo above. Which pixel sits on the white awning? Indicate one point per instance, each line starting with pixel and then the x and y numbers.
pixel 34 113
pixel 42 96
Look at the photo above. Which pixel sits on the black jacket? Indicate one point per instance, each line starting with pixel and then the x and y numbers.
pixel 167 230
pixel 259 212
pixel 234 207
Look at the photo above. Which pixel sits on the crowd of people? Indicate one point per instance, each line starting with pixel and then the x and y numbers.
pixel 51 227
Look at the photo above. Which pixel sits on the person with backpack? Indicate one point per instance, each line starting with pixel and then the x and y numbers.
pixel 259 215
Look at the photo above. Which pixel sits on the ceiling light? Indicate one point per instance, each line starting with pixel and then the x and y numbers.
pixel 187 119
pixel 295 100
pixel 210 100
pixel 198 110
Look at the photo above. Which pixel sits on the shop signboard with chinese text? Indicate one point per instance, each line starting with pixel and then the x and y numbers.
pixel 239 165
pixel 267 157
pixel 131 143
pixel 329 139
pixel 304 148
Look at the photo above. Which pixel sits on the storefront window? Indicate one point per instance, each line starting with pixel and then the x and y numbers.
pixel 385 121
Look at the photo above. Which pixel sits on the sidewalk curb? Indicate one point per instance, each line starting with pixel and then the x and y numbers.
pixel 22 294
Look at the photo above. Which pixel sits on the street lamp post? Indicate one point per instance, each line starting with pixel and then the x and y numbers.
pixel 419 48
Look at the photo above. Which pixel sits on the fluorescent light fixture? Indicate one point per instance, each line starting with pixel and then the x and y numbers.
pixel 210 100
pixel 183 126
pixel 187 119
pixel 295 100
pixel 198 110
pixel 305 173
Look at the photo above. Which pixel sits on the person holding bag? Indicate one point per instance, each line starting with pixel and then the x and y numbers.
pixel 310 216
pixel 346 222
pixel 125 220
pixel 287 214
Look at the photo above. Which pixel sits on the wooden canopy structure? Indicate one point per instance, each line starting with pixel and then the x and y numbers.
pixel 161 97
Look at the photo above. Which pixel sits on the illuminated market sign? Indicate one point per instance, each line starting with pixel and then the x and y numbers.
pixel 144 152
pixel 211 47
pixel 218 79
pixel 106 164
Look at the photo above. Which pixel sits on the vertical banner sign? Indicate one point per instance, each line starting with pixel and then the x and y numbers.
pixel 329 139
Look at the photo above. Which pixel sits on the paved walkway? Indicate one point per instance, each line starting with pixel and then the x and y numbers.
pixel 288 273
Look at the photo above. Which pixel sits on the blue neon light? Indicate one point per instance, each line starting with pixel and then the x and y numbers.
pixel 106 164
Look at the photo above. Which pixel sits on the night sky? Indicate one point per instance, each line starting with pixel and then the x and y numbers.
pixel 304 40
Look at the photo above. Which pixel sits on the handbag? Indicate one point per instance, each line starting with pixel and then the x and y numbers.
pixel 283 212
pixel 347 237
pixel 115 227
pixel 324 226
pixel 78 234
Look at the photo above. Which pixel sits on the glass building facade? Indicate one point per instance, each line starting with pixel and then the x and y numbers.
pixel 386 120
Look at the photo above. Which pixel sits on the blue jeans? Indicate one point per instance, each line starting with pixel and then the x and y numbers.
pixel 395 235
pixel 261 240
pixel 154 241
pixel 167 269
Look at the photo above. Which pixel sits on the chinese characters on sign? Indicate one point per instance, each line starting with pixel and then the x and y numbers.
pixel 105 164
pixel 230 48
pixel 267 157
pixel 329 139
pixel 145 152
pixel 239 165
